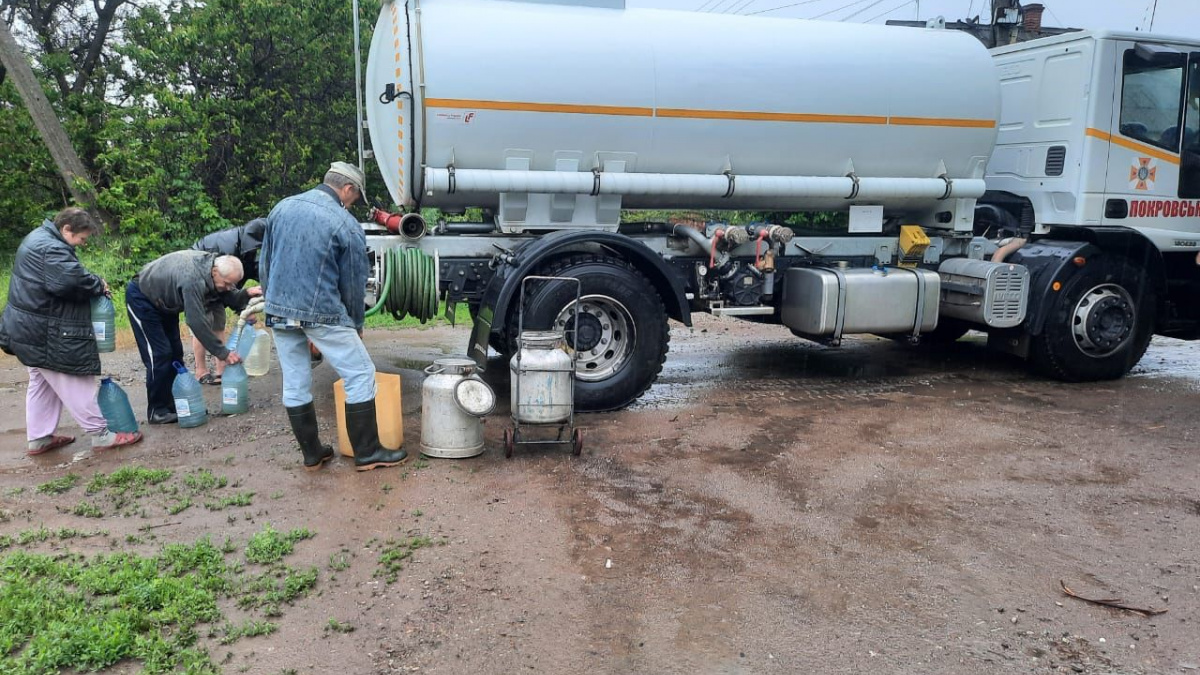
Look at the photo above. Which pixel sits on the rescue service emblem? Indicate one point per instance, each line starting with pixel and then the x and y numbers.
pixel 1142 174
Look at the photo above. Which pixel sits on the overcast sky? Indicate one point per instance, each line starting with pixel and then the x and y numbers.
pixel 1173 17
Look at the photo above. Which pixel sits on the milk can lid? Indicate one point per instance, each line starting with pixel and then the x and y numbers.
pixel 541 339
pixel 456 365
pixel 474 397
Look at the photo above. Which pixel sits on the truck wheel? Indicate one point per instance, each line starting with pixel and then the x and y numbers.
pixel 1099 324
pixel 623 332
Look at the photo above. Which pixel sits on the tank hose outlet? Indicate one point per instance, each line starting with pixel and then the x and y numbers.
pixel 410 285
pixel 410 225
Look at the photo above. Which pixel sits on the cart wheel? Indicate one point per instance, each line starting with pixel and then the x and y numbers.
pixel 508 443
pixel 576 442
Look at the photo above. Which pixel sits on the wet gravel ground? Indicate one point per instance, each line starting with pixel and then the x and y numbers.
pixel 770 506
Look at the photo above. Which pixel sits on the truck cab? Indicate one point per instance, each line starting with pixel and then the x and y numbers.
pixel 1090 131
pixel 1099 136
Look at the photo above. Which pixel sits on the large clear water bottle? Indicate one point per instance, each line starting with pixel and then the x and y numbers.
pixel 234 392
pixel 258 360
pixel 189 398
pixel 114 405
pixel 104 323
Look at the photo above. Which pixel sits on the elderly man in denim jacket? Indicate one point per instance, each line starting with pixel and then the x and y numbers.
pixel 313 265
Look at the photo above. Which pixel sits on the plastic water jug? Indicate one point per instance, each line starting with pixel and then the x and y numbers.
pixel 242 341
pixel 234 392
pixel 104 318
pixel 189 398
pixel 114 405
pixel 258 360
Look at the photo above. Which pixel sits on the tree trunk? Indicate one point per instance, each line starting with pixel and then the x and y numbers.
pixel 64 155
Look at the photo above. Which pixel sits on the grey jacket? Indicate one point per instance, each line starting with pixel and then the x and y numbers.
pixel 48 320
pixel 313 262
pixel 182 282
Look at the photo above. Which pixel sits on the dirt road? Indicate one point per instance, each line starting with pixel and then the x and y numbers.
pixel 772 506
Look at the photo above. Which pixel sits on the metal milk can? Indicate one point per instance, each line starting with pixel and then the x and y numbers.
pixel 541 379
pixel 453 402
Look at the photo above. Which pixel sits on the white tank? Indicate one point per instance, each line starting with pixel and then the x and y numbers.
pixel 532 97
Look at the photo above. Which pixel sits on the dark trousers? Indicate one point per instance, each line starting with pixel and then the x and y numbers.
pixel 157 336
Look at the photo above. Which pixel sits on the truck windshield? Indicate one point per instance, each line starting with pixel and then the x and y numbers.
pixel 1150 98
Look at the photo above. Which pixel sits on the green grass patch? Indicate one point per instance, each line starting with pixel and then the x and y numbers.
pixel 269 546
pixel 393 554
pixel 203 481
pixel 252 628
pixel 87 510
pixel 76 613
pixel 179 506
pixel 58 485
pixel 132 480
pixel 462 317
pixel 79 613
pixel 239 499
pixel 336 626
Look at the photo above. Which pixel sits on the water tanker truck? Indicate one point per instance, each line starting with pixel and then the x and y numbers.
pixel 1043 193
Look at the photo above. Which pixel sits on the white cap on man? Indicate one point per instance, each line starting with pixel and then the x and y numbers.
pixel 354 174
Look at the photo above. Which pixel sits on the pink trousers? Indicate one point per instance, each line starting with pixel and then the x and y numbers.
pixel 50 391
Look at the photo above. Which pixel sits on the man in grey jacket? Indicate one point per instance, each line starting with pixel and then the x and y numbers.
pixel 188 282
pixel 314 268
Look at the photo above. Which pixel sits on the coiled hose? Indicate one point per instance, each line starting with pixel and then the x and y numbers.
pixel 409 280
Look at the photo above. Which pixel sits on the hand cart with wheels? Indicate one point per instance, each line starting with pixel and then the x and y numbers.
pixel 542 375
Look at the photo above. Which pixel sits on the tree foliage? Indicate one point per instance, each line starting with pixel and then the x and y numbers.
pixel 189 115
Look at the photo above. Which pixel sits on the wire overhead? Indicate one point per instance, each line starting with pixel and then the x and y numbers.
pixel 900 6
pixel 775 9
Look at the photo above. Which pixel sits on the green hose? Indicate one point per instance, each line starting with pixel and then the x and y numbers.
pixel 409 285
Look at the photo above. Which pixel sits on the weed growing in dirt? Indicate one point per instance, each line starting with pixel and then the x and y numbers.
pixel 269 546
pixel 204 481
pixel 179 506
pixel 239 499
pixel 251 628
pixel 27 537
pixel 417 513
pixel 133 480
pixel 58 485
pixel 13 492
pixel 278 494
pixel 420 464
pixel 75 612
pixel 275 587
pixel 78 613
pixel 339 561
pixel 393 554
pixel 338 627
pixel 87 510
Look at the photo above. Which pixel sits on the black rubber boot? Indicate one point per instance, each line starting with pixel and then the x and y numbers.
pixel 364 438
pixel 304 427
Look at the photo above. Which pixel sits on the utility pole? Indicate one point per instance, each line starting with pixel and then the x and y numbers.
pixel 70 167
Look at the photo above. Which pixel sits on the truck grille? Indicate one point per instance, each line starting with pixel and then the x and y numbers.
pixel 1008 294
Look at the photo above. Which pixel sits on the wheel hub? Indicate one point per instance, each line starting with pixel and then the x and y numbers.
pixel 591 331
pixel 1104 320
pixel 606 336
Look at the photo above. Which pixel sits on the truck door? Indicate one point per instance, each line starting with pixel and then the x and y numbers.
pixel 1148 186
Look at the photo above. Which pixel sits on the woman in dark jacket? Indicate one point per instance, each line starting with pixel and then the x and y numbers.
pixel 47 325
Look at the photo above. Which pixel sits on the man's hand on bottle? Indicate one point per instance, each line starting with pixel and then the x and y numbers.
pixel 232 359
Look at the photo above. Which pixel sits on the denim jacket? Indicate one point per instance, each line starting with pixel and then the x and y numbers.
pixel 313 262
